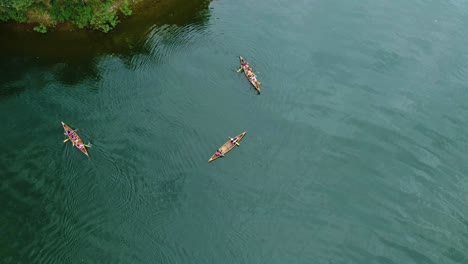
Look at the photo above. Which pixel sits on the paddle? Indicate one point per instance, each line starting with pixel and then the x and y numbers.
pixel 86 145
pixel 65 140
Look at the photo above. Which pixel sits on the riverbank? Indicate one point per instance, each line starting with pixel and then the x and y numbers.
pixel 103 18
pixel 129 36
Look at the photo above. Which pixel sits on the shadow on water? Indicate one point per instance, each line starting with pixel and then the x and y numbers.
pixel 73 54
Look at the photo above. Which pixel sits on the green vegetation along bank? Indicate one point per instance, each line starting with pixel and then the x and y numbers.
pixel 102 15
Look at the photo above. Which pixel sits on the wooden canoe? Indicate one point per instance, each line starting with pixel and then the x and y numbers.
pixel 228 146
pixel 74 139
pixel 249 73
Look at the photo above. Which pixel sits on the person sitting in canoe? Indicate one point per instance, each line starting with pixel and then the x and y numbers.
pixel 250 74
pixel 253 78
pixel 219 153
pixel 244 64
pixel 234 141
pixel 72 135
pixel 80 146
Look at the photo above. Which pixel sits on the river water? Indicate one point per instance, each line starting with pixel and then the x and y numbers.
pixel 355 151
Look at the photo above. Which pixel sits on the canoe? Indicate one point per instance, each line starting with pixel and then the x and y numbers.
pixel 249 73
pixel 228 146
pixel 74 139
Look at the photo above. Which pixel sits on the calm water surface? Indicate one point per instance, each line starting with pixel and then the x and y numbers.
pixel 355 151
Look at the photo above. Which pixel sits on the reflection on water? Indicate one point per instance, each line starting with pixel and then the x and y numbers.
pixel 73 54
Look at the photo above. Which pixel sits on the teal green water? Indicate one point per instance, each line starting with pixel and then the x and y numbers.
pixel 355 151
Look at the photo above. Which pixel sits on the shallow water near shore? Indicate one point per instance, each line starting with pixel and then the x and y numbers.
pixel 355 151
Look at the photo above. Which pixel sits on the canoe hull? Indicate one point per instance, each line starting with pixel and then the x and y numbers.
pixel 77 140
pixel 246 69
pixel 228 146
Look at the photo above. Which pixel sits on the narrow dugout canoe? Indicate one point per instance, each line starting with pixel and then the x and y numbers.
pixel 249 73
pixel 228 146
pixel 75 139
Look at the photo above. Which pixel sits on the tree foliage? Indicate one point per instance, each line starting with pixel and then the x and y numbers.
pixel 96 14
pixel 125 9
pixel 41 28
